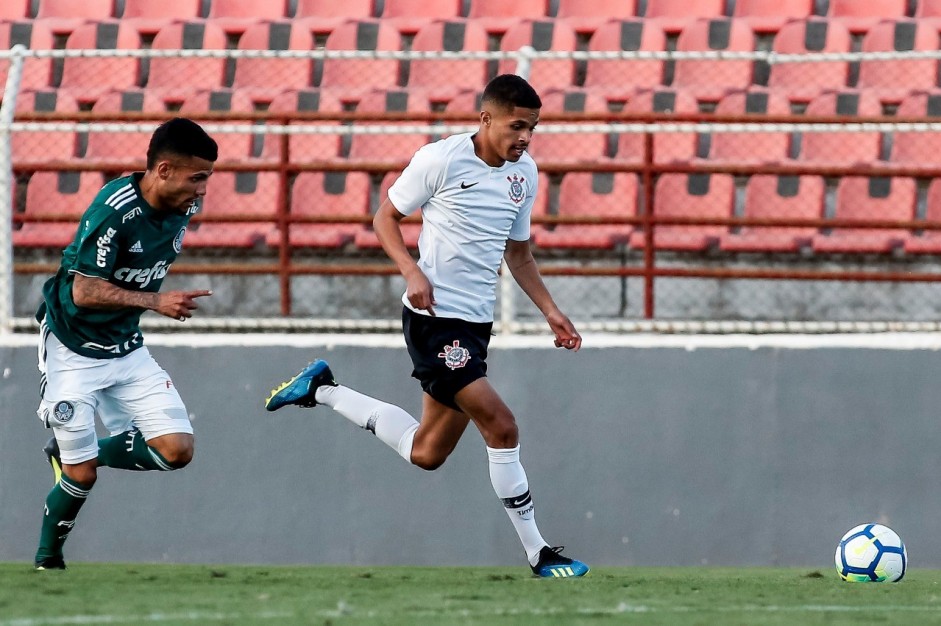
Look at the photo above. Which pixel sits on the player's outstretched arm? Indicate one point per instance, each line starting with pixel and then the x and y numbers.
pixel 97 293
pixel 387 225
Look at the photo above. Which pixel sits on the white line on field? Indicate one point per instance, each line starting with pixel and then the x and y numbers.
pixel 192 616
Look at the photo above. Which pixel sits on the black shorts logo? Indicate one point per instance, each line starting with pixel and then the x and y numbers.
pixel 455 356
pixel 63 411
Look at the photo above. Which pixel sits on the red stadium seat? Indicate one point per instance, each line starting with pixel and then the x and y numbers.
pixel 806 81
pixel 587 16
pixel 231 194
pixel 37 73
pixel 542 35
pixel 689 195
pixel 13 10
pixel 842 148
pixel 751 147
pixel 359 76
pixel 667 147
pixel 712 79
pixel 306 147
pixel 444 79
pixel 598 194
pixel 391 148
pixel 89 78
pixel 55 193
pixel 928 8
pixel 929 241
pixel 566 147
pixel 911 148
pixel 331 9
pixel 149 17
pixel 770 15
pixel 232 146
pixel 410 16
pixel 675 15
pixel 123 146
pixel 235 16
pixel 263 79
pixel 498 16
pixel 893 80
pixel 64 16
pixel 778 197
pixel 47 145
pixel 366 238
pixel 617 79
pixel 322 194
pixel 862 198
pixel 861 16
pixel 201 73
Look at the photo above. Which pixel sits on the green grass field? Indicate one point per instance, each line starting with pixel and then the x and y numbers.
pixel 227 594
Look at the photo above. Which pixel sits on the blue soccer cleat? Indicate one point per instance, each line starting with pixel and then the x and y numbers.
pixel 553 565
pixel 300 390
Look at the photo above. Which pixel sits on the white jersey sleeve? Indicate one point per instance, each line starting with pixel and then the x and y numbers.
pixel 420 180
pixel 520 230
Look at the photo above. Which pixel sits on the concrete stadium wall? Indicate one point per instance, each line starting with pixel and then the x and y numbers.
pixel 754 453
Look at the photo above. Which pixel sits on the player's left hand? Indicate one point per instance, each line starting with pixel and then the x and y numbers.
pixel 565 334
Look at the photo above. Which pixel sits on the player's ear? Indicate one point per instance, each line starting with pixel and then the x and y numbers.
pixel 164 169
pixel 485 118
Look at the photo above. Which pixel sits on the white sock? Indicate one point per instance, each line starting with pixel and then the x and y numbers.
pixel 509 481
pixel 391 424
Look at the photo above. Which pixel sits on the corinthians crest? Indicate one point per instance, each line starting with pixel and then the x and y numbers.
pixel 516 188
pixel 455 356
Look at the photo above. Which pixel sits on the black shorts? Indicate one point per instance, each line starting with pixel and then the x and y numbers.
pixel 448 354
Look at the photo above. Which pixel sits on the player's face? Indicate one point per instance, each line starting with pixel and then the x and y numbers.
pixel 183 180
pixel 509 131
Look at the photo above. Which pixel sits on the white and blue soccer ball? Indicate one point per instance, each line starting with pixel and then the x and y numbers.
pixel 871 553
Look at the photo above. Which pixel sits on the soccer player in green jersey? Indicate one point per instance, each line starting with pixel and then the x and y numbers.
pixel 92 357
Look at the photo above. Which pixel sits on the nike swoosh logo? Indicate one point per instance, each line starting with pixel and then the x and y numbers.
pixel 465 186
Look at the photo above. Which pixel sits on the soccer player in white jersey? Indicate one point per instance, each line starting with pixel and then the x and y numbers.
pixel 476 193
pixel 92 356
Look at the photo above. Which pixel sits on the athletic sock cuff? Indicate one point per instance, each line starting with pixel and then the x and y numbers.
pixel 504 455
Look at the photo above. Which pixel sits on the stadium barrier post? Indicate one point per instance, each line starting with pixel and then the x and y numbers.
pixel 7 108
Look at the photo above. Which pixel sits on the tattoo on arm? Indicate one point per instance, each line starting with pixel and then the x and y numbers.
pixel 97 293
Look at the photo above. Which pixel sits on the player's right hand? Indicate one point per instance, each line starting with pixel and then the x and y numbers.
pixel 180 304
pixel 420 293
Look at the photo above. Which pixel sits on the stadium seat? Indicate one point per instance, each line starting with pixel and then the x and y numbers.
pixel 89 78
pixel 711 79
pixel 768 16
pixel 667 147
pixel 842 148
pixel 359 76
pixel 201 73
pixel 366 239
pixel 410 16
pixel 594 194
pixel 263 79
pixel 778 197
pixel 232 146
pixel 568 147
pixel 231 194
pixel 751 147
pixel 148 16
pixel 37 73
pixel 498 16
pixel 389 148
pixel 928 241
pixel 44 146
pixel 917 148
pixel 587 16
pixel 444 79
pixel 347 10
pixel 64 16
pixel 15 10
pixel 805 81
pixel 306 147
pixel 928 8
pixel 689 196
pixel 617 79
pixel 323 194
pixel 674 15
pixel 861 16
pixel 863 198
pixel 543 36
pixel 123 146
pixel 893 80
pixel 55 193
pixel 235 16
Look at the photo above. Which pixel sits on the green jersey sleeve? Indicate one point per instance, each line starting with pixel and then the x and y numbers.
pixel 97 242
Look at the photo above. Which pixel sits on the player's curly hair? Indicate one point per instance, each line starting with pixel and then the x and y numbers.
pixel 181 137
pixel 510 90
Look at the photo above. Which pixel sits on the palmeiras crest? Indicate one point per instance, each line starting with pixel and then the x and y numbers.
pixel 455 356
pixel 517 193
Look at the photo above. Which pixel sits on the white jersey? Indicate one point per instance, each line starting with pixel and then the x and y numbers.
pixel 469 210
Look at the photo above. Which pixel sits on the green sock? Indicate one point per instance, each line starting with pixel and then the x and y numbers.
pixel 129 451
pixel 62 506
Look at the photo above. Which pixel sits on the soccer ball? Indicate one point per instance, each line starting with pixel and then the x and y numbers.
pixel 871 553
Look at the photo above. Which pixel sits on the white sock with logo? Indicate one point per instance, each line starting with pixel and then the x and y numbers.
pixel 510 484
pixel 391 424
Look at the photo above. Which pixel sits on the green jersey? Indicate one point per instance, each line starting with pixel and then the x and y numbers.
pixel 123 240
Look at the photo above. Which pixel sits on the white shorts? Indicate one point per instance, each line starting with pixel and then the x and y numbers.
pixel 126 392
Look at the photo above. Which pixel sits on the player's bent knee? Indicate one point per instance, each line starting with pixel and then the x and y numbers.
pixel 176 449
pixel 84 474
pixel 429 461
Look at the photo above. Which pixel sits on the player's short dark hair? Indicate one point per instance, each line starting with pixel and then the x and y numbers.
pixel 181 137
pixel 509 90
